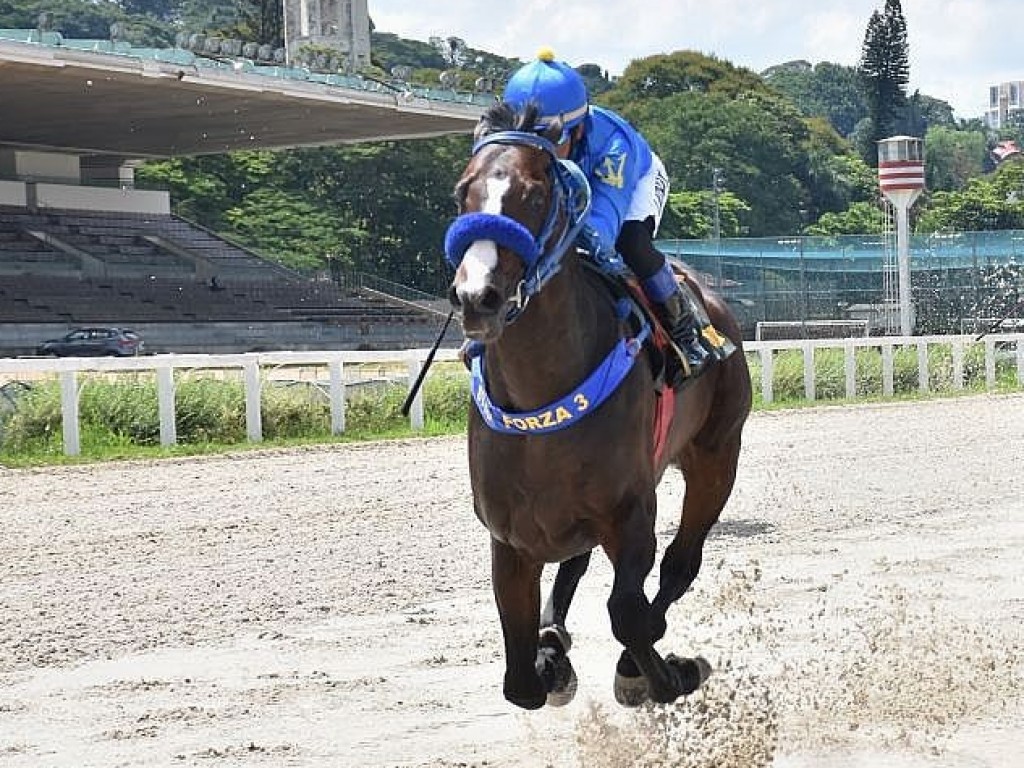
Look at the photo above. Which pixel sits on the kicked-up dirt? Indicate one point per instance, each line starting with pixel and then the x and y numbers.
pixel 861 600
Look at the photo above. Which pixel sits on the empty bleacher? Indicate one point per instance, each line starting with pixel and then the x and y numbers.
pixel 122 245
pixel 77 268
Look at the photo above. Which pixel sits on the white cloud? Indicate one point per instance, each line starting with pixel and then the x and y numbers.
pixel 957 47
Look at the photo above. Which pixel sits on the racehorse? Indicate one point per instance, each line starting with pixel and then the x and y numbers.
pixel 565 452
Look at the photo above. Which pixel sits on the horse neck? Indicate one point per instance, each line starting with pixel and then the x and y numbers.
pixel 560 337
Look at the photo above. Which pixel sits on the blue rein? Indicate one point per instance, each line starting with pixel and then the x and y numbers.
pixel 541 254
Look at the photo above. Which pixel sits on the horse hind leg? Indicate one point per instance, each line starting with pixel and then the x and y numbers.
pixel 680 565
pixel 711 476
pixel 649 675
pixel 553 664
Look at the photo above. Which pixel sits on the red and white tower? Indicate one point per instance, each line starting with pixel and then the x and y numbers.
pixel 901 178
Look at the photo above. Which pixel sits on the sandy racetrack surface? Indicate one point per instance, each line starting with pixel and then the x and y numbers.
pixel 862 602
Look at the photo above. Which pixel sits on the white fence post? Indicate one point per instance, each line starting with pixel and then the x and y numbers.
pixel 337 372
pixel 809 390
pixel 767 374
pixel 165 403
pixel 69 412
pixel 850 369
pixel 887 370
pixel 922 366
pixel 253 417
pixel 990 363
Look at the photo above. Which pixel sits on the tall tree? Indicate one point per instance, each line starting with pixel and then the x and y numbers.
pixel 884 71
pixel 259 20
pixel 824 90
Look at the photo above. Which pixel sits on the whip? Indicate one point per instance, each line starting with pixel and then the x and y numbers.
pixel 426 366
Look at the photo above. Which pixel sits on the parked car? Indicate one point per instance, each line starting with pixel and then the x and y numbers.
pixel 94 342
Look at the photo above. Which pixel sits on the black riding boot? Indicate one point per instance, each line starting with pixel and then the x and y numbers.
pixel 677 317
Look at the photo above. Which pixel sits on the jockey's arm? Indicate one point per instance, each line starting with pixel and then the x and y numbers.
pixel 613 179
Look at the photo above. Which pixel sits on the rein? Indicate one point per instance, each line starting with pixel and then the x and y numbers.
pixel 542 258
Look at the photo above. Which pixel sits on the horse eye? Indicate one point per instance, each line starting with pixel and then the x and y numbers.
pixel 537 199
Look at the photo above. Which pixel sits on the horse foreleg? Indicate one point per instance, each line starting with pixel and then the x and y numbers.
pixel 516 583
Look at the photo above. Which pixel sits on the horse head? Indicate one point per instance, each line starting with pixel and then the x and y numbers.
pixel 520 208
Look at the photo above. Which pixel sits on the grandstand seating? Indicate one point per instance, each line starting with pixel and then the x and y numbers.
pixel 75 267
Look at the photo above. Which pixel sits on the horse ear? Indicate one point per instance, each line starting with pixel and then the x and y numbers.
pixel 553 132
pixel 483 126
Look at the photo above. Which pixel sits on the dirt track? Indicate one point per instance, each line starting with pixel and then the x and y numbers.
pixel 862 601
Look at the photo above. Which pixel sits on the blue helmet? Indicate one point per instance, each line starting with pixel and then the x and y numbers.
pixel 554 86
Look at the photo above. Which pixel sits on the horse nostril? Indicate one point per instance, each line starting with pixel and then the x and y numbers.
pixel 491 301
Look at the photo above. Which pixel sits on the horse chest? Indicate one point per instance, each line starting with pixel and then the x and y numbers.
pixel 543 532
pixel 552 508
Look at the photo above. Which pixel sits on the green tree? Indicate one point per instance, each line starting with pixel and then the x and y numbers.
pixel 953 157
pixel 261 21
pixel 665 75
pixel 985 203
pixel 924 112
pixel 861 218
pixel 72 18
pixel 836 176
pixel 757 149
pixel 826 90
pixel 158 9
pixel 884 71
pixel 691 215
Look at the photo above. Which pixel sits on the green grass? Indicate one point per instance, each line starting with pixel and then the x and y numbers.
pixel 119 418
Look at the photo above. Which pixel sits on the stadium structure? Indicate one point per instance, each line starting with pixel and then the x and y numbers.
pixel 81 245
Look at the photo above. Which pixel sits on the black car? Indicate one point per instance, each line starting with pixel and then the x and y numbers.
pixel 93 342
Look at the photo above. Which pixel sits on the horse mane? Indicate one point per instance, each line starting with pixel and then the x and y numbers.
pixel 503 116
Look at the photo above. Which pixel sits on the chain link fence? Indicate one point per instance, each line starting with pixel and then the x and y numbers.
pixel 961 282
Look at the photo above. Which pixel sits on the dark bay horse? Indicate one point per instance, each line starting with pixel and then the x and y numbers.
pixel 561 461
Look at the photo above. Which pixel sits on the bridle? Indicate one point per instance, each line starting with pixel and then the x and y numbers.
pixel 541 254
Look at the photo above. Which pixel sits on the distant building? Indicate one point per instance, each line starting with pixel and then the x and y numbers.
pixel 343 25
pixel 1003 101
pixel 1005 150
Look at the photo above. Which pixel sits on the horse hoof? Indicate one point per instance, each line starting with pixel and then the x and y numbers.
pixel 691 673
pixel 566 683
pixel 525 691
pixel 631 691
pixel 526 702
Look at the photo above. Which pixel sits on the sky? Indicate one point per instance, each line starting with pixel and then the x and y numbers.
pixel 958 48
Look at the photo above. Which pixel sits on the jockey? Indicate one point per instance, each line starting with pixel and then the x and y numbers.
pixel 629 187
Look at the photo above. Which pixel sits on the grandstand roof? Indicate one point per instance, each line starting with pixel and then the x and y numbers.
pixel 102 97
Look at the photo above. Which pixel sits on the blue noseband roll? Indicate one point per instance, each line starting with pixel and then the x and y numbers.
pixel 507 232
